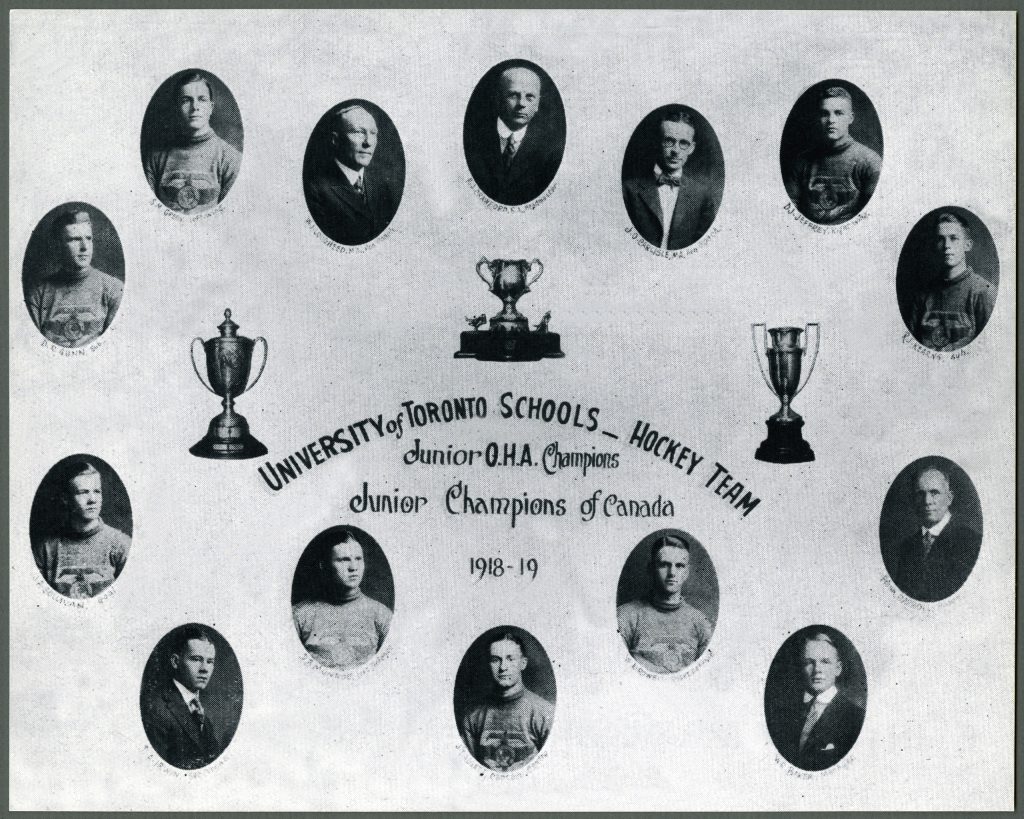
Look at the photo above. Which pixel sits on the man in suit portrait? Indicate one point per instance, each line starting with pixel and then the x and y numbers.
pixel 820 724
pixel 349 198
pixel 952 309
pixel 663 632
pixel 514 149
pixel 173 713
pixel 511 726
pixel 832 181
pixel 934 561
pixel 671 207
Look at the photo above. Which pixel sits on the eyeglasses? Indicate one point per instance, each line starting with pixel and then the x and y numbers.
pixel 672 143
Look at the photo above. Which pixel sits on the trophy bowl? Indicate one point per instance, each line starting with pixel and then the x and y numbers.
pixel 228 364
pixel 785 443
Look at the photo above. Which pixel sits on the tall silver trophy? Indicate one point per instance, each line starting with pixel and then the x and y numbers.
pixel 785 443
pixel 228 362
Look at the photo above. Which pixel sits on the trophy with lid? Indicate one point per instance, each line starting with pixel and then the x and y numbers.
pixel 785 444
pixel 228 363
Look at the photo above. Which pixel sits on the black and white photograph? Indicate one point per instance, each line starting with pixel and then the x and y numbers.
pixel 192 141
pixel 73 275
pixel 673 176
pixel 191 699
pixel 930 529
pixel 81 526
pixel 947 279
pixel 667 601
pixel 831 152
pixel 505 698
pixel 343 598
pixel 514 132
pixel 353 174
pixel 814 698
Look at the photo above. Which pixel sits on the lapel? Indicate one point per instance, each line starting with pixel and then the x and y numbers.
pixel 825 722
pixel 649 196
pixel 523 159
pixel 347 194
pixel 179 711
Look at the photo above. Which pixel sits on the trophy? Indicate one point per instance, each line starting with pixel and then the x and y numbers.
pixel 784 444
pixel 228 361
pixel 509 337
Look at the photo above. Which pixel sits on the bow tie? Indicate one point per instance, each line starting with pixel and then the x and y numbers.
pixel 664 179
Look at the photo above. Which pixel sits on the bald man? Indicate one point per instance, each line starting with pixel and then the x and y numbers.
pixel 514 149
pixel 351 200
pixel 934 561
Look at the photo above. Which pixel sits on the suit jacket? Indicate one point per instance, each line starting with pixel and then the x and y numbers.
pixel 831 738
pixel 533 168
pixel 341 213
pixel 695 210
pixel 944 571
pixel 173 731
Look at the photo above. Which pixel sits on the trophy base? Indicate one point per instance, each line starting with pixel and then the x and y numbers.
pixel 491 345
pixel 784 444
pixel 228 438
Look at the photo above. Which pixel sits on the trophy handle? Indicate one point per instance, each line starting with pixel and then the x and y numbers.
pixel 539 272
pixel 256 341
pixel 192 355
pixel 814 355
pixel 760 351
pixel 484 263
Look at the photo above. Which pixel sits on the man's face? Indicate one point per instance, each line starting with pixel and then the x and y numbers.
pixel 821 666
pixel 85 496
pixel 195 106
pixel 76 244
pixel 932 497
pixel 518 97
pixel 835 115
pixel 346 566
pixel 507 664
pixel 671 567
pixel 356 139
pixel 952 244
pixel 676 146
pixel 194 666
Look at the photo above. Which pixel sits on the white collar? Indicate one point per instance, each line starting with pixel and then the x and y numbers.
pixel 350 175
pixel 659 172
pixel 186 695
pixel 505 132
pixel 936 530
pixel 824 698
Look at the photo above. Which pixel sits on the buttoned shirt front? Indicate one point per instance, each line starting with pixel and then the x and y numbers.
pixel 667 194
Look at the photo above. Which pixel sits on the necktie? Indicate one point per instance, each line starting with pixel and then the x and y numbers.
pixel 359 188
pixel 198 714
pixel 813 713
pixel 510 151
pixel 927 539
pixel 664 179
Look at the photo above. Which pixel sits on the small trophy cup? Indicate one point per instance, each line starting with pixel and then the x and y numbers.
pixel 509 337
pixel 228 361
pixel 784 444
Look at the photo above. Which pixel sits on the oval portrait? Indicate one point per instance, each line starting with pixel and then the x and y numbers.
pixel 667 601
pixel 947 279
pixel 80 526
pixel 505 698
pixel 192 141
pixel 343 596
pixel 191 698
pixel 930 529
pixel 514 132
pixel 73 274
pixel 831 152
pixel 814 698
pixel 673 174
pixel 353 173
